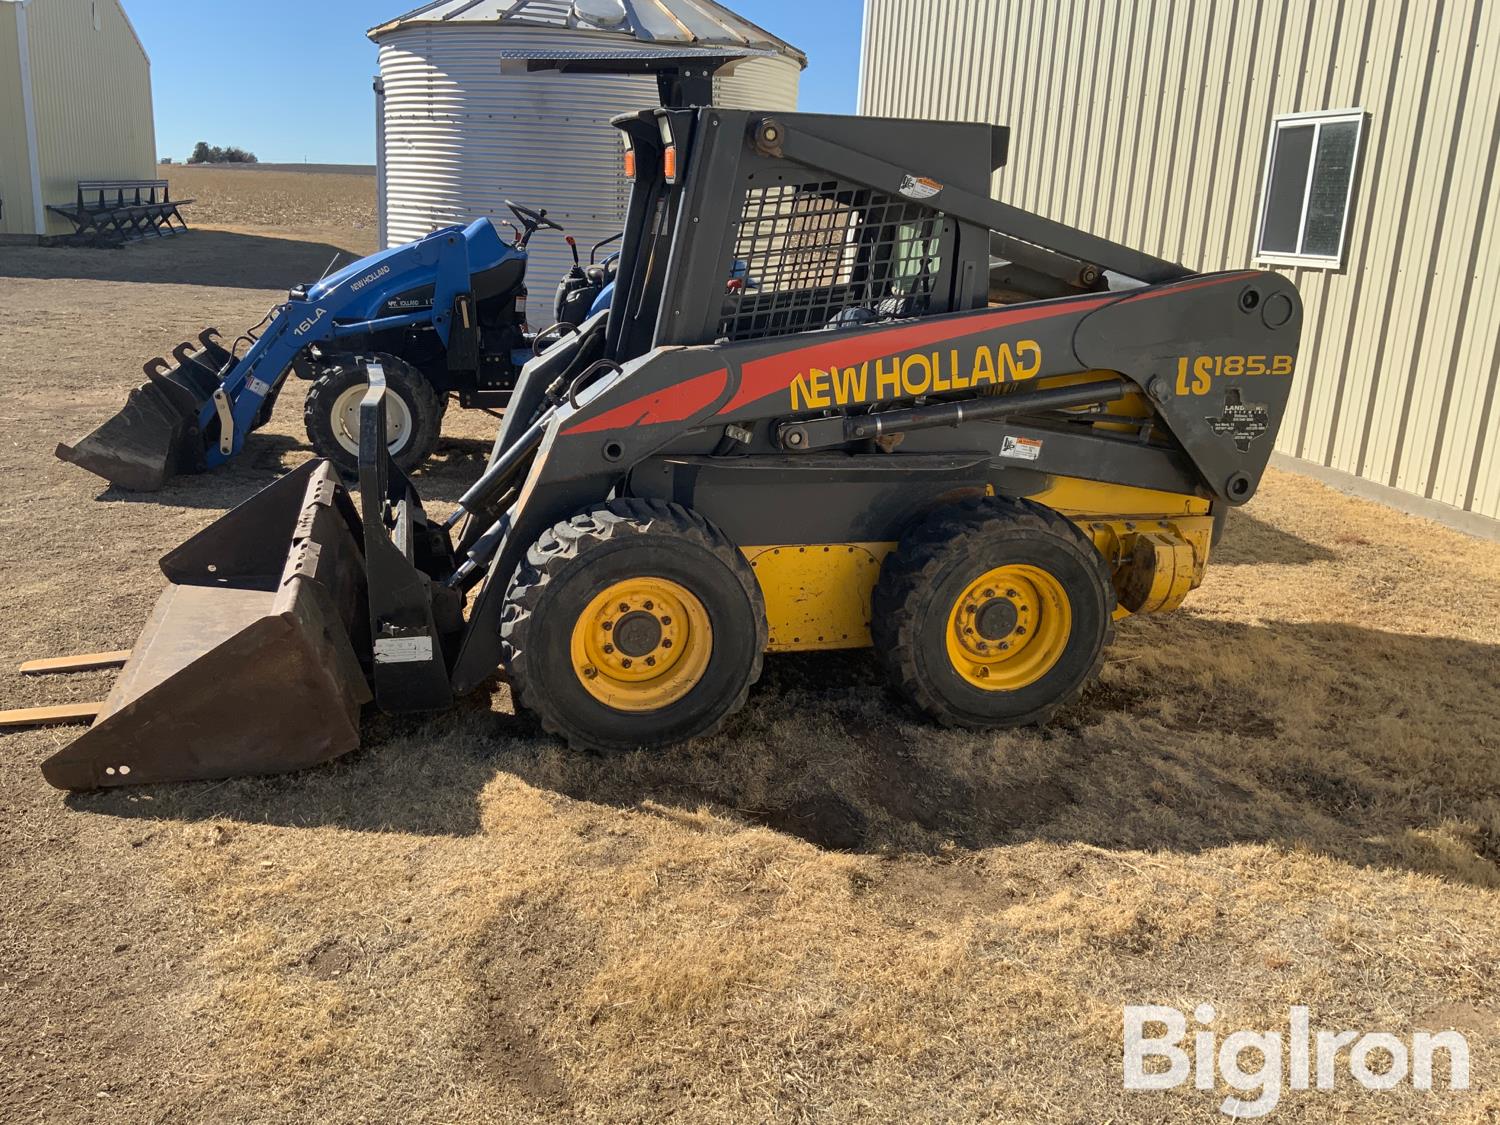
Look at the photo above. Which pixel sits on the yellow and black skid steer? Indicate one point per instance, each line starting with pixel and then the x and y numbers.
pixel 841 398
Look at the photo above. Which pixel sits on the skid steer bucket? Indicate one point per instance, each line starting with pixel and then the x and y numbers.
pixel 248 664
pixel 156 434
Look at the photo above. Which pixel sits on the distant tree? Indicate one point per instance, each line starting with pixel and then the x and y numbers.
pixel 205 153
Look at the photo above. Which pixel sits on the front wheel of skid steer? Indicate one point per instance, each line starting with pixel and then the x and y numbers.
pixel 634 624
pixel 413 414
pixel 993 613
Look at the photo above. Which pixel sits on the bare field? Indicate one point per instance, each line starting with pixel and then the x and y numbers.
pixel 291 201
pixel 1289 792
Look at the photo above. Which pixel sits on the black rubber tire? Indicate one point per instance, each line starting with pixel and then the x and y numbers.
pixel 575 560
pixel 922 579
pixel 425 405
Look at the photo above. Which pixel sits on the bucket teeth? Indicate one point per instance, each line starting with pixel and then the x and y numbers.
pixel 156 435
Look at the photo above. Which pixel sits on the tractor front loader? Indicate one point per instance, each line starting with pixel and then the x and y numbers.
pixel 840 398
pixel 444 313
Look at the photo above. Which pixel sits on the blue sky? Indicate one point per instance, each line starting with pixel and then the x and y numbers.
pixel 290 81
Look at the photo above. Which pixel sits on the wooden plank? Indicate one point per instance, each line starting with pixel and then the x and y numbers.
pixel 83 662
pixel 49 716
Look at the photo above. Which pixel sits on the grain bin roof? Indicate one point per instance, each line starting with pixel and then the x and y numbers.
pixel 667 23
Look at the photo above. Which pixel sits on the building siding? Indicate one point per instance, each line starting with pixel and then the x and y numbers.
pixel 1146 121
pixel 16 204
pixel 92 90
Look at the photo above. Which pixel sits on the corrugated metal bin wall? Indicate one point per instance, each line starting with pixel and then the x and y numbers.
pixel 461 138
pixel 1146 121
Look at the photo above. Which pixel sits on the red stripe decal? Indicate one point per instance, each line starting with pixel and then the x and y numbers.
pixel 670 404
pixel 762 377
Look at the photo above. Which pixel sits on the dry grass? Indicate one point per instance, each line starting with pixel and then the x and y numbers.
pixel 1287 793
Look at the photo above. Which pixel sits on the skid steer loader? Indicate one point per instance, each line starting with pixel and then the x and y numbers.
pixel 840 398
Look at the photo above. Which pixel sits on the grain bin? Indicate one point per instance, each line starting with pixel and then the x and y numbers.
pixel 459 132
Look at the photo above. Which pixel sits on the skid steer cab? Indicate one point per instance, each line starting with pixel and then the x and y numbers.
pixel 839 398
pixel 445 316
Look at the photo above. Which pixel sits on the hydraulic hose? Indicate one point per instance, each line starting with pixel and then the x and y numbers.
pixel 482 494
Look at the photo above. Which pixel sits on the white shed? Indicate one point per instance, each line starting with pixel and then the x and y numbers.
pixel 459 132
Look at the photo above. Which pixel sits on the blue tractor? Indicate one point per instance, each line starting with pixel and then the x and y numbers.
pixel 445 317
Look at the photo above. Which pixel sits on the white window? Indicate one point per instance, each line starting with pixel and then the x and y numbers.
pixel 1309 182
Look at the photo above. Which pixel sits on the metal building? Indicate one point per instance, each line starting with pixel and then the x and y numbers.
pixel 461 127
pixel 1352 145
pixel 75 104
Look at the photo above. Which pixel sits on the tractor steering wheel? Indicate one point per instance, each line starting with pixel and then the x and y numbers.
pixel 533 220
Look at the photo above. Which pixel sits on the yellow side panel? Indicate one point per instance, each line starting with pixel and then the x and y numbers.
pixel 1075 497
pixel 817 595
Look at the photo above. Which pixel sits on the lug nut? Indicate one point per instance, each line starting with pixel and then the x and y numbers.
pixel 968 630
pixel 608 649
pixel 983 647
pixel 624 607
pixel 666 620
pixel 989 593
pixel 590 672
pixel 1004 646
pixel 1020 630
pixel 650 662
pixel 1010 594
pixel 667 643
pixel 625 663
pixel 648 607
pixel 608 625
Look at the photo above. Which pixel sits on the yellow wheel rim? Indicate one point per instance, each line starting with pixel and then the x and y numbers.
pixel 641 644
pixel 1009 628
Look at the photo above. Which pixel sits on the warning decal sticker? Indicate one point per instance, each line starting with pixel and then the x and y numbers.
pixel 1020 448
pixel 919 187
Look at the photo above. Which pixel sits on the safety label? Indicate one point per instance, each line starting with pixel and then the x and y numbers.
pixel 1021 448
pixel 402 650
pixel 919 187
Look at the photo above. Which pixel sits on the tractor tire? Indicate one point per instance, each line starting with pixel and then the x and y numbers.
pixel 414 414
pixel 636 623
pixel 993 613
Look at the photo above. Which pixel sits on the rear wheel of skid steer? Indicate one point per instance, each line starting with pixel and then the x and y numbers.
pixel 413 421
pixel 634 624
pixel 993 613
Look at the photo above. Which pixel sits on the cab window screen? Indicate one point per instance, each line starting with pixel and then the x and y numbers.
pixel 810 255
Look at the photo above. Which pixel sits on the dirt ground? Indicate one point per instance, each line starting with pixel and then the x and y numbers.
pixel 1287 793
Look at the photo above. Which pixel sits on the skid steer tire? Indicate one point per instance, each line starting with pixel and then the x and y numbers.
pixel 414 424
pixel 993 613
pixel 634 624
